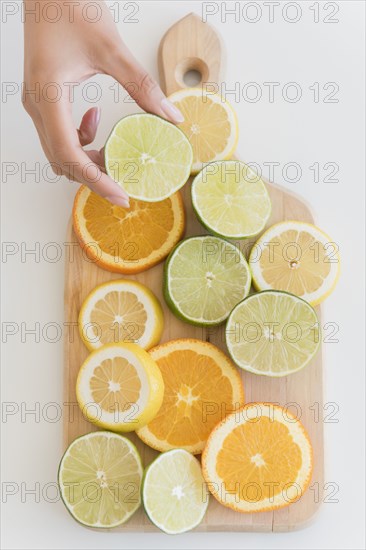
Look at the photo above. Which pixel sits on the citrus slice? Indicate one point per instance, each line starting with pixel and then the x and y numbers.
pixel 148 156
pixel 231 200
pixel 210 124
pixel 258 459
pixel 272 333
pixel 100 478
pixel 119 387
pixel 121 311
pixel 296 257
pixel 173 493
pixel 127 241
pixel 204 278
pixel 201 387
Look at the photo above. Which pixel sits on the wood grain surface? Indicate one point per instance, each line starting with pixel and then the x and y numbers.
pixel 191 44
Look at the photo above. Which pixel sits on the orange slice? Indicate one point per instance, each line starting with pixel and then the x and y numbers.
pixel 258 459
pixel 202 386
pixel 127 241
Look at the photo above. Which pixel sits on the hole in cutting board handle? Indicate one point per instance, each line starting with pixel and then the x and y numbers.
pixel 192 78
pixel 191 72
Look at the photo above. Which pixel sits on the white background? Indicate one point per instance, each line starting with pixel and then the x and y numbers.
pixel 303 132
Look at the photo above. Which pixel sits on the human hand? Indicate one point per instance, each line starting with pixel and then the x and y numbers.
pixel 72 50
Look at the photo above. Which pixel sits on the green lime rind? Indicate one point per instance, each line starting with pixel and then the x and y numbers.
pixel 212 228
pixel 145 484
pixel 273 374
pixel 229 237
pixel 137 456
pixel 173 306
pixel 132 160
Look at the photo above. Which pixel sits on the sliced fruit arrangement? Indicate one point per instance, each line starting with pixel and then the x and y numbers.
pixel 173 493
pixel 258 460
pixel 201 385
pixel 185 396
pixel 296 257
pixel 127 241
pixel 210 124
pixel 148 156
pixel 121 311
pixel 204 278
pixel 231 200
pixel 100 479
pixel 119 387
pixel 272 333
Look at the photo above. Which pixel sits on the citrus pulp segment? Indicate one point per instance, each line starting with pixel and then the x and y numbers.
pixel 231 200
pixel 119 387
pixel 210 124
pixel 272 333
pixel 201 386
pixel 148 156
pixel 204 278
pixel 121 311
pixel 100 478
pixel 127 241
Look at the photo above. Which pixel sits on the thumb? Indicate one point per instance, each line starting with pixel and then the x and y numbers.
pixel 142 87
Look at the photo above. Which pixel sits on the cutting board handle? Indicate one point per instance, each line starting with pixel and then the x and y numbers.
pixel 189 45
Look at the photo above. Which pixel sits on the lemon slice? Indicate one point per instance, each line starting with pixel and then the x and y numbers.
pixel 272 333
pixel 148 156
pixel 121 311
pixel 205 277
pixel 231 200
pixel 119 387
pixel 257 459
pixel 296 257
pixel 100 478
pixel 210 124
pixel 174 493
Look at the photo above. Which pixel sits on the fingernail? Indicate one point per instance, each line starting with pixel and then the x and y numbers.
pixel 97 115
pixel 171 111
pixel 119 201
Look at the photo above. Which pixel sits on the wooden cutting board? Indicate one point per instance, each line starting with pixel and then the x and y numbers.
pixel 193 45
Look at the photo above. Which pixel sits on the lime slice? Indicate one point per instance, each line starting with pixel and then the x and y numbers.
pixel 173 492
pixel 100 478
pixel 150 157
pixel 272 333
pixel 231 200
pixel 204 278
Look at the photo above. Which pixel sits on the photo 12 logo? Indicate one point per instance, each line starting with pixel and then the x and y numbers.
pixel 270 12
pixel 53 12
pixel 273 91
